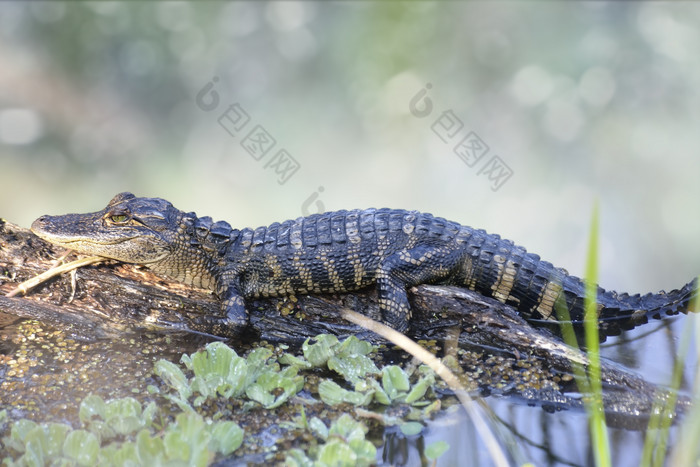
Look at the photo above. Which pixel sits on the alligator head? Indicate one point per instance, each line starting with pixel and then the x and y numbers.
pixel 129 229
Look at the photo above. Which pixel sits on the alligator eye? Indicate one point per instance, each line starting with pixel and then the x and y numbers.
pixel 119 218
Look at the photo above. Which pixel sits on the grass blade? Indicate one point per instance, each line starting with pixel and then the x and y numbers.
pixel 598 428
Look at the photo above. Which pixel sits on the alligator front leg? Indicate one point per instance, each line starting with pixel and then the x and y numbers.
pixel 233 306
pixel 230 322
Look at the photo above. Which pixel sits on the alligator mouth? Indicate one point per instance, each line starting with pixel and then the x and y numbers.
pixel 62 240
pixel 39 228
pixel 84 240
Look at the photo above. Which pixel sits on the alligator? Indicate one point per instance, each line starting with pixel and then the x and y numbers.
pixel 342 251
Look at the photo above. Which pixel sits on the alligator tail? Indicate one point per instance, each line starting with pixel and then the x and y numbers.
pixel 623 311
pixel 616 312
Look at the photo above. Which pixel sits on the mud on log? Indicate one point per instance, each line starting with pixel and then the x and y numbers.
pixel 107 300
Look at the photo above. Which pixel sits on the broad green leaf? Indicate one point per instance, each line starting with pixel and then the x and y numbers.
pixel 318 428
pixel 337 453
pixel 270 381
pixel 411 428
pixel 21 428
pixel 123 455
pixel 33 456
pixel 257 365
pixel 226 437
pixel 177 447
pixel 92 406
pixel 431 408
pixel 81 446
pixel 332 394
pixel 419 389
pixel 299 362
pixel 364 450
pixel 394 381
pixel 216 358
pixel 103 430
pixel 217 369
pixel 125 407
pixel 149 413
pixel 354 346
pixel 318 354
pixel 436 449
pixel 189 439
pixel 235 381
pixel 258 357
pixel 150 449
pixel 18 433
pixel 259 394
pixel 352 367
pixel 55 437
pixel 124 415
pixel 36 446
pixel 297 458
pixel 291 373
pixel 379 394
pixel 173 376
pixel 202 457
pixel 191 425
pixel 186 360
pixel 126 425
pixel 348 428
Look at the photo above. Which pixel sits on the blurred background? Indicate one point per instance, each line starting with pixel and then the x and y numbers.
pixel 513 117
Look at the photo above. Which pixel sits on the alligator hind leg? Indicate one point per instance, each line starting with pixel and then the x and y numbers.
pixel 420 265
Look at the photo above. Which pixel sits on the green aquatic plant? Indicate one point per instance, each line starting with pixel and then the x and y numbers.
pixel 125 432
pixel 344 444
pixel 119 432
pixel 394 388
pixel 348 358
pixel 116 417
pixel 219 372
